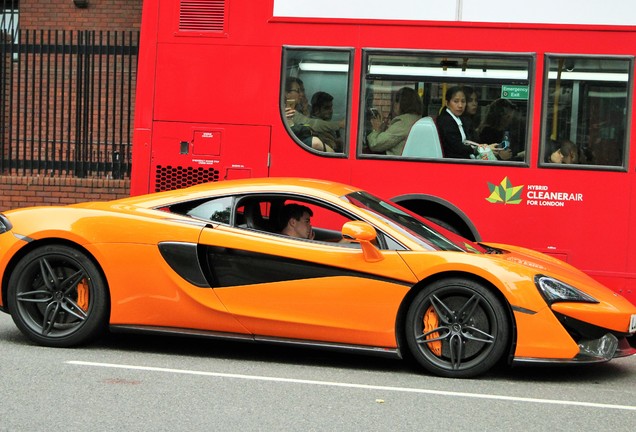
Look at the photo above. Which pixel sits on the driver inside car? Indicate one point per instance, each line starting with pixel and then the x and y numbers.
pixel 297 221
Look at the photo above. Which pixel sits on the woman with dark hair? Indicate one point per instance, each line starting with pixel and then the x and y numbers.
pixel 456 142
pixel 451 128
pixel 390 140
pixel 470 118
pixel 498 118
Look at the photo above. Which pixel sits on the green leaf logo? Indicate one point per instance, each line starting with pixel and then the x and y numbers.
pixel 504 192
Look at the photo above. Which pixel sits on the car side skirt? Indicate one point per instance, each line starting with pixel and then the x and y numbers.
pixel 333 346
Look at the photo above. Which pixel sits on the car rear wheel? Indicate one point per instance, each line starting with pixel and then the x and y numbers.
pixel 457 328
pixel 57 297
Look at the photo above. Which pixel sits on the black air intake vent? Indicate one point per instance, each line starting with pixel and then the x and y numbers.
pixel 177 177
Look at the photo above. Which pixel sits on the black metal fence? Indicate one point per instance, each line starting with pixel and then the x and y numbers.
pixel 67 102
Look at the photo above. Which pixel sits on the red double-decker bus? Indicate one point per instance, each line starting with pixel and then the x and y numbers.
pixel 225 90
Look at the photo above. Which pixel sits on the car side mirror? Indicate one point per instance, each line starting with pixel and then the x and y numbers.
pixel 363 233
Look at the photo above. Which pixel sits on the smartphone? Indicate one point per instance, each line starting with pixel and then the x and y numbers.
pixel 290 103
pixel 374 112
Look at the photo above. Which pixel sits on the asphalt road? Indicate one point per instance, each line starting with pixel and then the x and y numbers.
pixel 141 383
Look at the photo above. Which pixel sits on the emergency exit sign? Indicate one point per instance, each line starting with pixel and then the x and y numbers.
pixel 514 92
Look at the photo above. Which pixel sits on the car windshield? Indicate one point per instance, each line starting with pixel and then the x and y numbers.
pixel 423 232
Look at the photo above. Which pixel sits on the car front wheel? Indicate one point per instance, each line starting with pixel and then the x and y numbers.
pixel 457 328
pixel 57 297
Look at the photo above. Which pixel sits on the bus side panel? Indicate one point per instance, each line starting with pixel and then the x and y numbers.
pixel 144 98
pixel 217 84
pixel 185 154
pixel 629 290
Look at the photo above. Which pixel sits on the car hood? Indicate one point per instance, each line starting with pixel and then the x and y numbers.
pixel 513 272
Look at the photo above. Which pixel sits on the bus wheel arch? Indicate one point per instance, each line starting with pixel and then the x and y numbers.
pixel 441 212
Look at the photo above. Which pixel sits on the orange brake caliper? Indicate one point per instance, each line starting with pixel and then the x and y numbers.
pixel 431 321
pixel 82 294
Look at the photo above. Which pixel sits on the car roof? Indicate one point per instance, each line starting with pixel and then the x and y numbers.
pixel 304 186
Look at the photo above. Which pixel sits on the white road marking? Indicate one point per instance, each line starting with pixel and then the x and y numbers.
pixel 358 386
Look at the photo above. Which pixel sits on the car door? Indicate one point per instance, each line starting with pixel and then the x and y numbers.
pixel 284 287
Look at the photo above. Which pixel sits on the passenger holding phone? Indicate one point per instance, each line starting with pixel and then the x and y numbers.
pixel 303 127
pixel 390 139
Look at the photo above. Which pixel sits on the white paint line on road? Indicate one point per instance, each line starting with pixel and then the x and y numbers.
pixel 358 386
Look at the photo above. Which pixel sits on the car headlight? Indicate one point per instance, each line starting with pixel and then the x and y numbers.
pixel 553 290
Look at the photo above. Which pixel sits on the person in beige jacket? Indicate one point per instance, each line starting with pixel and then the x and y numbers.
pixel 390 140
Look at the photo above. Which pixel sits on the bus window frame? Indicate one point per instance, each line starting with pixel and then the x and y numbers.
pixel 545 126
pixel 285 50
pixel 529 57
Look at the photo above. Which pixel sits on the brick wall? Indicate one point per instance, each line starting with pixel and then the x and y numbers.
pixel 117 15
pixel 21 191
pixel 63 15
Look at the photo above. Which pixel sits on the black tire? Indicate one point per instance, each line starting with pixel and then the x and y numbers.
pixel 456 328
pixel 57 297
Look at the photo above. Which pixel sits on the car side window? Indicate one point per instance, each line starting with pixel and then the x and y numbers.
pixel 214 210
pixel 312 221
pixel 217 210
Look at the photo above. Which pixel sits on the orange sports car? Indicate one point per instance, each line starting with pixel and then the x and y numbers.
pixel 300 261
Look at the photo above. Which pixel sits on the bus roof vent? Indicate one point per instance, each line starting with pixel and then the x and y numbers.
pixel 202 15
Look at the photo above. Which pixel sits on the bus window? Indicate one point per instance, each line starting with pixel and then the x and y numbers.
pixel 315 97
pixel 585 111
pixel 495 90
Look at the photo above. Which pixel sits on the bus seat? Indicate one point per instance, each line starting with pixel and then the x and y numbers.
pixel 423 140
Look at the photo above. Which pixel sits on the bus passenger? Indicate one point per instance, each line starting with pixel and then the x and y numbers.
pixel 303 103
pixel 322 108
pixel 470 118
pixel 303 127
pixel 567 153
pixel 498 120
pixel 390 139
pixel 292 99
pixel 455 142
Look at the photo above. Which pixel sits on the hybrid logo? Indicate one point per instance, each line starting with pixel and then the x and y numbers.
pixel 505 193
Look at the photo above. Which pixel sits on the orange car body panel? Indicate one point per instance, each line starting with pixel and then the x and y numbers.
pixel 334 309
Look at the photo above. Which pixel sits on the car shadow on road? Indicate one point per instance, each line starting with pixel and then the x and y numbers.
pixel 245 350
pixel 285 354
pixel 202 348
